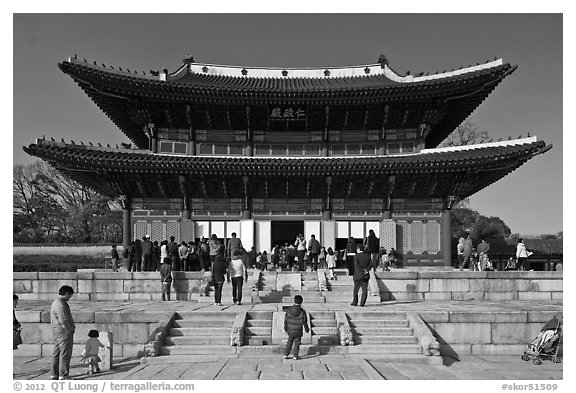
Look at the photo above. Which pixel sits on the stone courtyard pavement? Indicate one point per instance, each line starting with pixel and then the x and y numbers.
pixel 312 366
pixel 315 367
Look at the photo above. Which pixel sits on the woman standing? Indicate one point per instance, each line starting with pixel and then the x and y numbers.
pixel 522 255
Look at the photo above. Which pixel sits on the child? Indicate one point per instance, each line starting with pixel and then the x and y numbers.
pixel 331 261
pixel 283 261
pixel 322 258
pixel 166 278
pixel 294 320
pixel 90 353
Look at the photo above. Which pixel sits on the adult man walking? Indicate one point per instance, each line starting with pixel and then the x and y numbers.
pixel 238 272
pixel 172 250
pixel 300 245
pixel 467 252
pixel 314 250
pixel 362 266
pixel 234 244
pixel 63 332
pixel 483 249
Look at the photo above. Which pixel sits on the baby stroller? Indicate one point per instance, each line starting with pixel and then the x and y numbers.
pixel 512 264
pixel 546 345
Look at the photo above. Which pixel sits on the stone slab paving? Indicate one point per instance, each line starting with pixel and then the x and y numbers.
pixel 325 367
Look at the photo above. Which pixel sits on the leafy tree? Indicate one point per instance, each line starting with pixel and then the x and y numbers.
pixel 490 228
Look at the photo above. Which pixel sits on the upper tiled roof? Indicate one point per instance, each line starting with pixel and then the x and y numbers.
pixel 218 78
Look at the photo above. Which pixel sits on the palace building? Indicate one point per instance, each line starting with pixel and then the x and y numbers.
pixel 269 153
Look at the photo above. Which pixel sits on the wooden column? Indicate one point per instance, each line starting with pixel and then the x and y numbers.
pixel 126 222
pixel 247 212
pixel 446 238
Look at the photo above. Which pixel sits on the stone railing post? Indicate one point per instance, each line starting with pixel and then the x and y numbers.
pixel 106 354
pixel 237 333
pixel 373 284
pixel 429 344
pixel 156 340
pixel 322 283
pixel 254 281
pixel 344 331
pixel 205 284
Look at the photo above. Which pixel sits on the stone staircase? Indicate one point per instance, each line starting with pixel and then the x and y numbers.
pixel 195 333
pixel 324 328
pixel 258 328
pixel 382 333
pixel 309 281
pixel 268 281
pixel 340 291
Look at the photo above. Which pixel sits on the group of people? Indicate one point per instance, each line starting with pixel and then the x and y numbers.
pixel 476 258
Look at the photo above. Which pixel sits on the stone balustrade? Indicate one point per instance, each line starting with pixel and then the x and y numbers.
pixel 344 331
pixel 237 333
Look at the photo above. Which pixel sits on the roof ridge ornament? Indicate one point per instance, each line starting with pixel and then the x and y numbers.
pixel 188 59
pixel 383 61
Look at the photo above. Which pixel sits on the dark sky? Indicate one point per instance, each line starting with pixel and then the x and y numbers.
pixel 529 200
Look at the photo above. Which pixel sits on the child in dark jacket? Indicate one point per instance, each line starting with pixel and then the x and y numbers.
pixel 294 320
pixel 166 278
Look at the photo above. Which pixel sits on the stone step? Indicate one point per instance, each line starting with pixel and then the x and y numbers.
pixel 324 330
pixel 374 315
pixel 258 331
pixel 200 331
pixel 197 349
pixel 379 323
pixel 323 322
pixel 257 340
pixel 385 339
pixel 197 340
pixel 381 331
pixel 259 323
pixel 259 314
pixel 369 348
pixel 202 315
pixel 279 349
pixel 323 314
pixel 313 299
pixel 326 339
pixel 289 293
pixel 202 324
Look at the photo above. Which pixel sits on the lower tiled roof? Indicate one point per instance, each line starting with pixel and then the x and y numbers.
pixel 125 160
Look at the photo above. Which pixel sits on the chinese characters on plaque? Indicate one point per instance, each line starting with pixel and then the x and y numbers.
pixel 287 113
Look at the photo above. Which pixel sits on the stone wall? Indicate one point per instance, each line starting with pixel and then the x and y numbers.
pixel 130 329
pixel 455 285
pixel 105 285
pixel 469 332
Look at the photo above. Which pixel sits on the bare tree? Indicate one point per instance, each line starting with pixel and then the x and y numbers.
pixel 466 133
pixel 47 203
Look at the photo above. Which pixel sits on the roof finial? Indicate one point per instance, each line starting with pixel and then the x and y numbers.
pixel 188 59
pixel 383 60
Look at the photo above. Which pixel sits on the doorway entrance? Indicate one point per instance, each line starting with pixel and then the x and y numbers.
pixel 285 232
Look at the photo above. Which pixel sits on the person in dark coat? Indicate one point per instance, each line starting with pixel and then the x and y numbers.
pixel 204 254
pixel 362 266
pixel 218 277
pixel 155 256
pixel 146 254
pixel 115 258
pixel 137 256
pixel 294 320
pixel 314 250
pixel 16 327
pixel 350 253
pixel 192 260
pixel 172 249
pixel 373 245
pixel 129 257
pixel 166 278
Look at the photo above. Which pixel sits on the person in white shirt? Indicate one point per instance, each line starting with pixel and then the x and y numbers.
pixel 522 255
pixel 239 273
